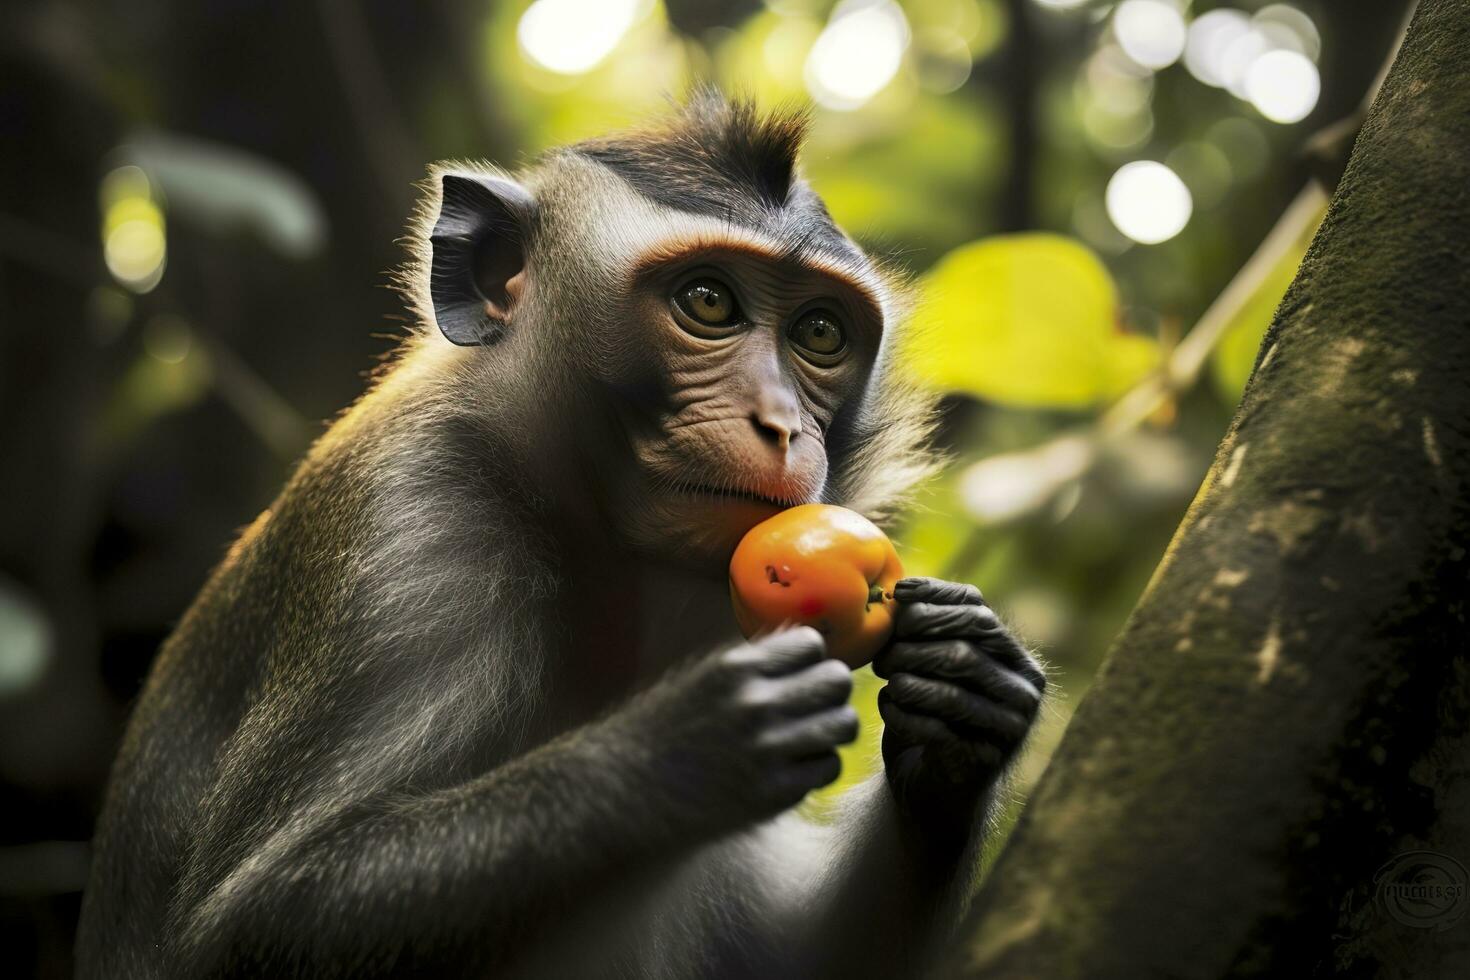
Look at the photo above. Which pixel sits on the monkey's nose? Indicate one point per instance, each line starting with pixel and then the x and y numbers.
pixel 773 427
pixel 775 412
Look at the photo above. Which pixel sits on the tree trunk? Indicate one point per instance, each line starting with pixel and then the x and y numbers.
pixel 1286 715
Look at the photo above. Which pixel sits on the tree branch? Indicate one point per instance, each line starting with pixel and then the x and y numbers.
pixel 1286 710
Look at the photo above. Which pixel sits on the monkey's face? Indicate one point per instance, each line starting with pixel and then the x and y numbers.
pixel 741 362
pixel 682 316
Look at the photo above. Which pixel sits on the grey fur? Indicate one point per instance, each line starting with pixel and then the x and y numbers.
pixel 379 742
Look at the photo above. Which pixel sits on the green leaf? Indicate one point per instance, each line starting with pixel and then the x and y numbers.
pixel 1026 320
pixel 1235 354
pixel 224 188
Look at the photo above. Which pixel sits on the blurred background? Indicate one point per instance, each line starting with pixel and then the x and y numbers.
pixel 1101 204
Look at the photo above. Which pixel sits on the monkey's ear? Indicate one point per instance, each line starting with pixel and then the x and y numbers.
pixel 478 254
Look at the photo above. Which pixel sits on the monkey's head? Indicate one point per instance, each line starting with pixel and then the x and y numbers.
pixel 672 315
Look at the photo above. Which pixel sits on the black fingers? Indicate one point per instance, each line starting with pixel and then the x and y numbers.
pixel 937 591
pixel 927 728
pixel 927 621
pixel 962 709
pixel 825 684
pixel 960 662
pixel 780 653
pixel 935 609
pixel 813 735
pixel 916 727
pixel 796 780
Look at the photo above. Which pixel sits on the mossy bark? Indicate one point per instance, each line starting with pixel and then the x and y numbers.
pixel 1288 708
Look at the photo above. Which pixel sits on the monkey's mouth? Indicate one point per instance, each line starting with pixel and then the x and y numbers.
pixel 730 493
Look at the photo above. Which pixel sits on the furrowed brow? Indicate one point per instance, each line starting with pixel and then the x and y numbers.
pixel 859 279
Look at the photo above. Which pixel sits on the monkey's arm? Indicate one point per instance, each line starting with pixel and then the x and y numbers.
pixel 461 879
pixel 961 696
pixel 877 896
pixel 410 880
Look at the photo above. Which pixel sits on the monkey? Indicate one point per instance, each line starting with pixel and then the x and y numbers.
pixel 467 698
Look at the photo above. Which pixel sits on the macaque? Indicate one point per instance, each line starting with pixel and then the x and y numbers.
pixel 468 699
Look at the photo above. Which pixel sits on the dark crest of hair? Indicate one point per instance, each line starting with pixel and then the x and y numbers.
pixel 715 156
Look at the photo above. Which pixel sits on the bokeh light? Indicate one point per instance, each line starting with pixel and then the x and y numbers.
pixel 1281 17
pixel 1148 202
pixel 1007 486
pixel 167 338
pixel 570 37
pixel 1283 86
pixel 27 641
pixel 1238 58
pixel 784 50
pixel 1061 4
pixel 1210 37
pixel 134 246
pixel 981 24
pixel 1151 32
pixel 857 54
pixel 1115 81
pixel 1266 60
pixel 1114 94
pixel 944 61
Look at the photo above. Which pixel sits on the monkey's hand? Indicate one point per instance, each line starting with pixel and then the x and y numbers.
pixel 747 732
pixel 962 694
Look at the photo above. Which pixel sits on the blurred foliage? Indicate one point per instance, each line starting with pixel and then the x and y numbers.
pixel 201 199
pixel 1235 353
pixel 1026 320
pixel 168 376
pixel 226 190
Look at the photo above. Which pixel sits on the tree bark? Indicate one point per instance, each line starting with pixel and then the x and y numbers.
pixel 1288 708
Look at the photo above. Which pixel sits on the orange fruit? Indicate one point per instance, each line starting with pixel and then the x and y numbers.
pixel 821 566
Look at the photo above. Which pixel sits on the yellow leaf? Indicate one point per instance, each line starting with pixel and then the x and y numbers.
pixel 1027 320
pixel 1235 355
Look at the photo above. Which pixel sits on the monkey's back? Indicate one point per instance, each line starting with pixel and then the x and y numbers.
pixel 207 677
pixel 278 694
pixel 192 702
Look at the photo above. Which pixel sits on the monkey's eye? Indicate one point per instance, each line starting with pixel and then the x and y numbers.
pixel 708 306
pixel 818 337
